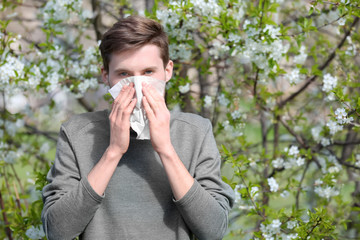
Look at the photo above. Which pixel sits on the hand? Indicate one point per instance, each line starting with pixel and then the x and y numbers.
pixel 159 118
pixel 119 117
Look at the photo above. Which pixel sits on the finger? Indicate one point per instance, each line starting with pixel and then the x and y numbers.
pixel 121 104
pixel 151 91
pixel 129 109
pixel 149 112
pixel 125 91
pixel 154 99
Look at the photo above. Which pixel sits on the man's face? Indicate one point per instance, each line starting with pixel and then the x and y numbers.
pixel 145 61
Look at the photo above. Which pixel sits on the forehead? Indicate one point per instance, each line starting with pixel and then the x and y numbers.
pixel 136 58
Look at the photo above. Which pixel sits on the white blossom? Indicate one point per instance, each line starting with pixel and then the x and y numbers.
pixel 218 50
pixel 341 116
pixel 315 132
pixel 234 131
pixel 357 158
pixel 10 157
pixel 335 169
pixel 16 103
pixel 223 101
pixel 274 186
pixel 334 127
pixel 53 78
pixel 352 49
pixel 272 31
pixel 86 84
pixel 293 151
pixel 60 9
pixel 235 38
pixel 291 224
pixel 325 141
pixel 236 114
pixel 342 21
pixel 278 163
pixel 237 194
pixel 35 232
pixel 329 82
pixel 86 14
pixel 13 68
pixel 254 192
pixel 89 57
pixel 246 23
pixel 300 161
pixel 184 89
pixel 180 51
pixel 34 78
pixel 301 58
pixel 326 191
pixel 12 127
pixel 289 236
pixel 294 77
pixel 269 230
pixel 207 101
pixel 208 8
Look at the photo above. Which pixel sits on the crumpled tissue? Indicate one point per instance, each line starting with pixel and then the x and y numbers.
pixel 138 120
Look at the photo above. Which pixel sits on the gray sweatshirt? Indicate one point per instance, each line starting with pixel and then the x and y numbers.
pixel 138 201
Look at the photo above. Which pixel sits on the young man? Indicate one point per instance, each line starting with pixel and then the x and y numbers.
pixel 106 184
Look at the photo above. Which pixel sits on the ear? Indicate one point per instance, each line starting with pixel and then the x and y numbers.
pixel 105 76
pixel 169 70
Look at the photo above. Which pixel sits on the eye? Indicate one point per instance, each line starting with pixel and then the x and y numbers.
pixel 148 72
pixel 122 74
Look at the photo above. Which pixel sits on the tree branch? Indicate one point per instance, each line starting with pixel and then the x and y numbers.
pixel 322 67
pixel 34 130
pixel 97 19
pixel 6 223
pixel 300 183
pixel 85 105
pixel 292 132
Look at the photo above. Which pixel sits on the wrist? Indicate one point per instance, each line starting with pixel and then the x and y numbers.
pixel 166 152
pixel 113 154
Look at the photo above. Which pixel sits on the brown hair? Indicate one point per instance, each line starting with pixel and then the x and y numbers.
pixel 132 33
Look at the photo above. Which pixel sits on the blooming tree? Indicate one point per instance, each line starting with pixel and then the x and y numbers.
pixel 278 79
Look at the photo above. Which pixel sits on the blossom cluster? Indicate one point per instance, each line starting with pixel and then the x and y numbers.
pixel 182 20
pixel 7 155
pixel 60 10
pixel 246 203
pixel 13 68
pixel 274 186
pixel 294 159
pixel 342 118
pixel 35 232
pixel 324 190
pixel 294 76
pixel 272 231
pixel 58 68
pixel 329 82
pixel 259 51
pixel 329 164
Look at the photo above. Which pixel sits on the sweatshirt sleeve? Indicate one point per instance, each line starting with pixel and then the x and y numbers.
pixel 69 200
pixel 206 205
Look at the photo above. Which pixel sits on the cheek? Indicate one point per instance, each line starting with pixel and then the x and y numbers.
pixel 113 79
pixel 160 76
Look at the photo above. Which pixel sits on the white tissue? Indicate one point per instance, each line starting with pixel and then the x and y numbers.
pixel 138 120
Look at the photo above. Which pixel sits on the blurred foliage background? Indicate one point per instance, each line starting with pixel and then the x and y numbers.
pixel 278 79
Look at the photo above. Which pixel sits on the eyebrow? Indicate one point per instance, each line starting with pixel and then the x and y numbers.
pixel 127 70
